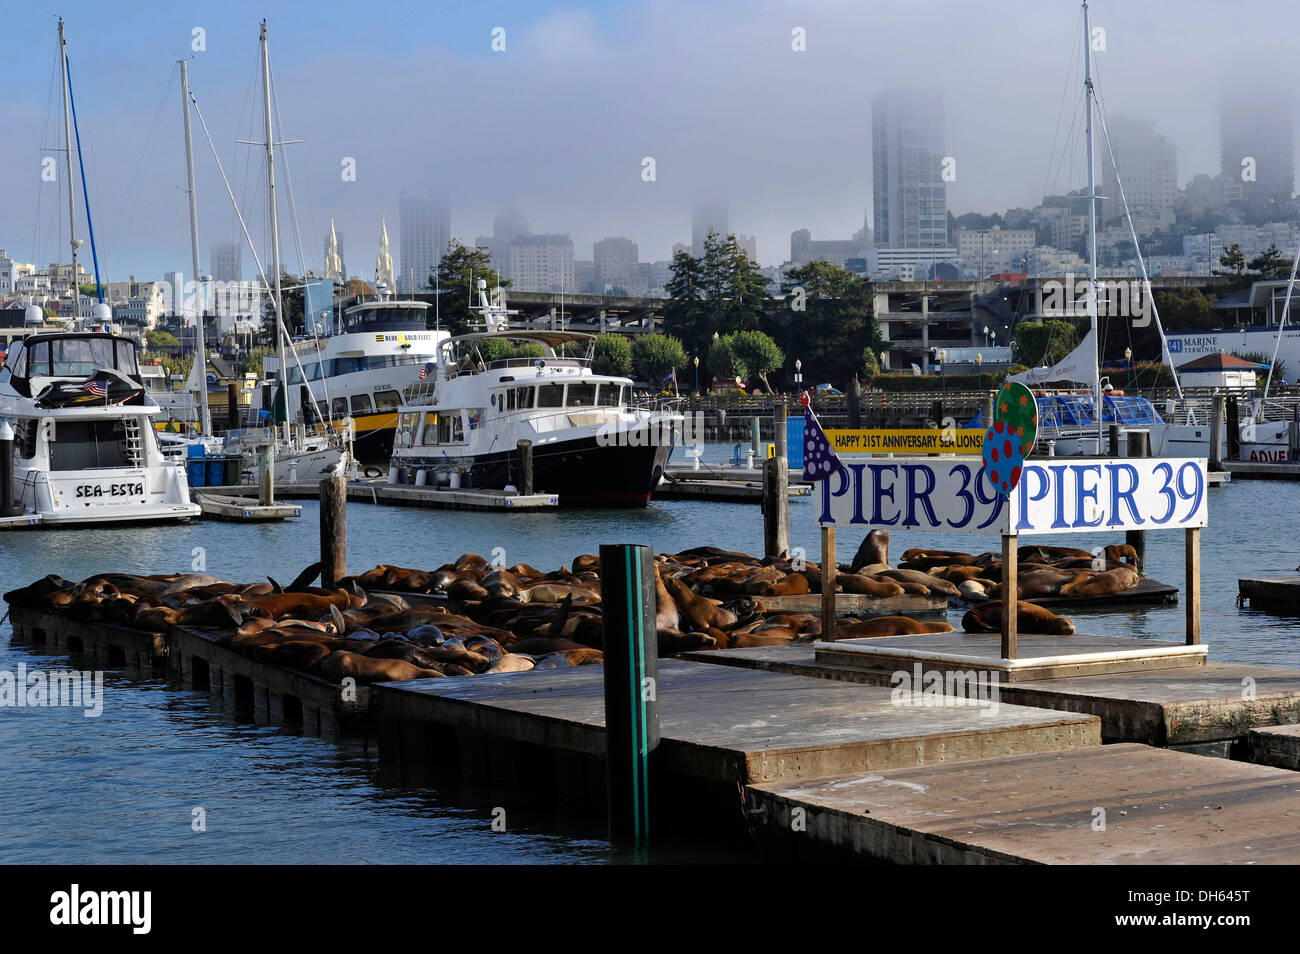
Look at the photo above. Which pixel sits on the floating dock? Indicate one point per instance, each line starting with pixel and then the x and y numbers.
pixel 1114 804
pixel 721 491
pixel 1210 707
pixel 403 495
pixel 859 605
pixel 20 522
pixel 1263 470
pixel 243 508
pixel 1277 592
pixel 1145 592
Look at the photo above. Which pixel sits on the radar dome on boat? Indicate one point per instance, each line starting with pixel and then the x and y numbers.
pixel 34 315
pixel 101 313
pixel 482 283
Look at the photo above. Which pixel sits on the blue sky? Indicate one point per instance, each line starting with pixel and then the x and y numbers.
pixel 558 125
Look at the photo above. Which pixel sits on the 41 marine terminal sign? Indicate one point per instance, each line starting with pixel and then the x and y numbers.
pixel 1054 496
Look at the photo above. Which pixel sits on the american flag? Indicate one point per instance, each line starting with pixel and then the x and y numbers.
pixel 95 388
pixel 819 458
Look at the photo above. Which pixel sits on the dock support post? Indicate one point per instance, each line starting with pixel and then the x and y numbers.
pixel 333 531
pixel 755 437
pixel 524 453
pixel 1193 601
pixel 776 494
pixel 232 406
pixel 1139 445
pixel 1010 574
pixel 266 475
pixel 1217 419
pixel 829 571
pixel 1114 440
pixel 7 506
pixel 627 593
pixel 1234 429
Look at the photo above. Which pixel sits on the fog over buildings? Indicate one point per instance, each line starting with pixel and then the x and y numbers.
pixel 738 121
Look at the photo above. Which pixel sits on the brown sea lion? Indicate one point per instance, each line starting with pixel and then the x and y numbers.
pixel 1103 583
pixel 338 666
pixel 889 626
pixel 511 662
pixel 671 642
pixel 1030 618
pixel 932 583
pixel 697 610
pixel 793 584
pixel 873 549
pixel 868 586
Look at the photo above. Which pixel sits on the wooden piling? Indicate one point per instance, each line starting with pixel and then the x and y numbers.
pixel 776 497
pixel 333 531
pixel 1010 571
pixel 266 475
pixel 524 454
pixel 232 406
pixel 829 571
pixel 1192 601
pixel 1233 428
pixel 631 676
pixel 1217 419
pixel 1114 440
pixel 1139 445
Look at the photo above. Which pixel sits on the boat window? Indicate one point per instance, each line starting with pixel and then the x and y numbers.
pixel 340 408
pixel 407 426
pixel 581 395
pixel 360 404
pixel 430 429
pixel 524 397
pixel 387 400
pixel 126 359
pixel 20 364
pixel 86 445
pixel 347 365
pixel 609 395
pixel 550 395
pixel 451 429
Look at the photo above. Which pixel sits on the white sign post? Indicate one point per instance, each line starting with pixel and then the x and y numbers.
pixel 1056 495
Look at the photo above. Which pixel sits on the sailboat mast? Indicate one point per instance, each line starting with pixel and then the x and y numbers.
pixel 200 349
pixel 72 194
pixel 1092 227
pixel 280 330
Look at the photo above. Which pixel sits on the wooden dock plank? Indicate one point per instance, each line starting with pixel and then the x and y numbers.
pixel 1276 745
pixel 1160 807
pixel 1209 703
pixel 728 724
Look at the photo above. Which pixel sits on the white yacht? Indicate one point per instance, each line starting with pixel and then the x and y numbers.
pixel 361 371
pixel 85 450
pixel 461 426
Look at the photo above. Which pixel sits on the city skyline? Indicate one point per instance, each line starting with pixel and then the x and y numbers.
pixel 776 171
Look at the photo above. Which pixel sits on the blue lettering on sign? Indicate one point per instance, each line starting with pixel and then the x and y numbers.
pixel 827 493
pixel 857 492
pixel 1167 472
pixel 1044 485
pixel 964 495
pixel 1058 520
pixel 1083 492
pixel 880 492
pixel 1175 345
pixel 922 496
pixel 1117 495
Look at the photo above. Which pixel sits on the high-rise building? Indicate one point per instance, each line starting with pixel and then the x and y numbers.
pixel 804 248
pixel 542 263
pixel 384 261
pixel 225 261
pixel 584 277
pixel 334 257
pixel 1148 169
pixel 707 217
pixel 1256 139
pixel 615 260
pixel 506 227
pixel 907 153
pixel 425 231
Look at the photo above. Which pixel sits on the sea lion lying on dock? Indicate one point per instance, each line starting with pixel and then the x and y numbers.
pixel 888 626
pixel 1030 618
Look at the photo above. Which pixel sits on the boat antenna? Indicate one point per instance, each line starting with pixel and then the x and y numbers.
pixel 200 349
pixel 1092 226
pixel 72 193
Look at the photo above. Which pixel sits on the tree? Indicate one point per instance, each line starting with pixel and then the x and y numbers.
pixel 613 355
pixel 358 287
pixel 1233 260
pixel 161 339
pixel 1183 309
pixel 870 362
pixel 722 291
pixel 457 278
pixel 1046 344
pixel 828 320
pixel 1270 264
pixel 291 306
pixel 723 362
pixel 655 356
pixel 757 353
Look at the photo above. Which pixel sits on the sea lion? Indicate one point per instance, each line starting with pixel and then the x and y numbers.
pixel 586 562
pixel 511 662
pixel 1030 618
pixel 671 642
pixel 973 591
pixel 873 549
pixel 889 626
pixel 927 560
pixel 338 666
pixel 932 583
pixel 793 584
pixel 466 589
pixel 699 611
pixel 1103 583
pixel 867 586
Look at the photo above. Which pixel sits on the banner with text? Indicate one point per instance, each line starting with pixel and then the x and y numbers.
pixel 1054 496
pixel 917 440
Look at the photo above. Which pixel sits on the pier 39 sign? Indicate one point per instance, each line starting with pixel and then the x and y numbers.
pixel 1055 495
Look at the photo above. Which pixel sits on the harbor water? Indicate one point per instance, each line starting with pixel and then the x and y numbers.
pixel 124 787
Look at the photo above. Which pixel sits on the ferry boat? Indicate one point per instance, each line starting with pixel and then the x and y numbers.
pixel 360 372
pixel 461 426
pixel 85 450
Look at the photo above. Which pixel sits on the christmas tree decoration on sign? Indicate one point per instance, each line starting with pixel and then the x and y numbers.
pixel 1011 437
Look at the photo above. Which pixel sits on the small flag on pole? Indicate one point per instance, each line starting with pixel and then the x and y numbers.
pixel 819 458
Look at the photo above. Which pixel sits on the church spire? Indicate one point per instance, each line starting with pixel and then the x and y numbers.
pixel 333 262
